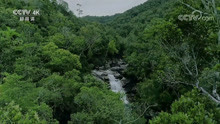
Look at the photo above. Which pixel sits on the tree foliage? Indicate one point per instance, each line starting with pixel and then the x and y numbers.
pixel 173 65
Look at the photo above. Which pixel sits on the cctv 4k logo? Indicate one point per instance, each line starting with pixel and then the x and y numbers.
pixel 27 15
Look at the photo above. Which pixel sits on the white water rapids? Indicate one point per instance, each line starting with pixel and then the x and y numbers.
pixel 116 84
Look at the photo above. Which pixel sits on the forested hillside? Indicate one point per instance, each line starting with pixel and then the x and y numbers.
pixel 173 64
pixel 101 19
pixel 45 67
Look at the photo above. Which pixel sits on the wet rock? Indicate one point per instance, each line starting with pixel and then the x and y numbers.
pixel 118 76
pixel 101 68
pixel 112 73
pixel 123 67
pixel 123 79
pixel 117 68
pixel 104 74
pixel 107 65
pixel 125 82
pixel 120 62
pixel 106 78
pixel 100 75
pixel 113 63
pixel 96 75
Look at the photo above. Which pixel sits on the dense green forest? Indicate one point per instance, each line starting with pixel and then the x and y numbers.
pixel 173 64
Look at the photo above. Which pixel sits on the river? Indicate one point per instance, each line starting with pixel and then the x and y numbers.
pixel 116 83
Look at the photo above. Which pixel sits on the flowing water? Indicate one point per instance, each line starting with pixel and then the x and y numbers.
pixel 116 84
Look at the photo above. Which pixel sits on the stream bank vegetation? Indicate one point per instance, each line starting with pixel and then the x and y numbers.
pixel 173 65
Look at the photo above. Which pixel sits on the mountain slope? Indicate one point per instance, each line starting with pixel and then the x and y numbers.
pixel 45 67
pixel 169 58
pixel 173 65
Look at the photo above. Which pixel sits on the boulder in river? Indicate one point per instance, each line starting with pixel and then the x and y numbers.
pixel 117 68
pixel 118 76
pixel 104 74
pixel 120 62
pixel 124 81
pixel 101 68
pixel 123 67
pixel 112 73
pixel 105 78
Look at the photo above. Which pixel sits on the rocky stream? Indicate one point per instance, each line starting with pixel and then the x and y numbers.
pixel 112 73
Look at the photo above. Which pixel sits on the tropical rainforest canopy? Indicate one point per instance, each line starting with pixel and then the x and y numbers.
pixel 174 64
